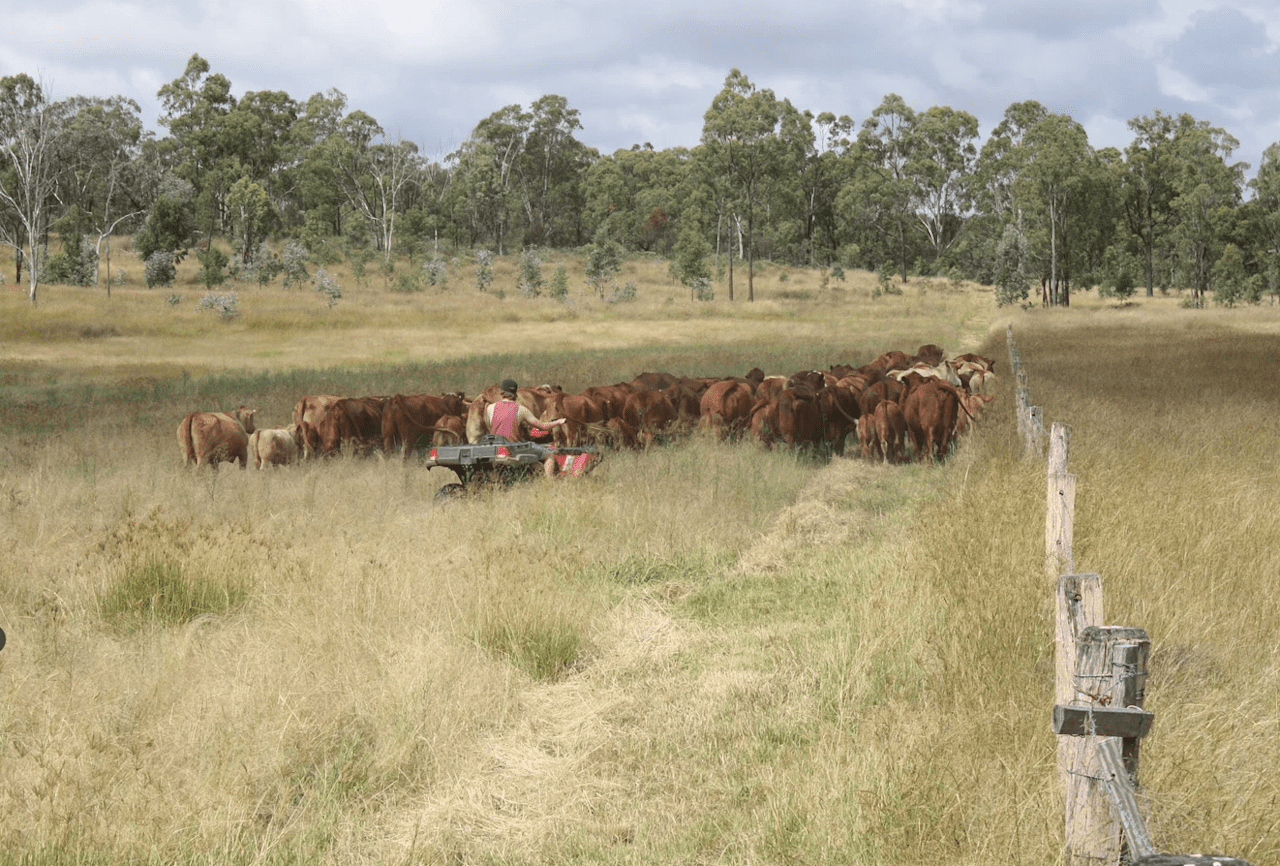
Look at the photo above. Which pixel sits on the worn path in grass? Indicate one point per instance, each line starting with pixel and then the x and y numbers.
pixel 668 738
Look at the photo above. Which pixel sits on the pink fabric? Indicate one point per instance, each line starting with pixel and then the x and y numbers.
pixel 505 415
pixel 573 464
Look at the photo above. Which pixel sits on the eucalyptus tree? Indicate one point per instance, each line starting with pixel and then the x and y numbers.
pixel 1148 186
pixel 105 179
pixel 486 166
pixel 30 141
pixel 1053 177
pixel 636 196
pixel 550 170
pixel 740 139
pixel 940 165
pixel 883 182
pixel 810 176
pixel 314 193
pixel 1208 191
pixel 373 173
pixel 1265 207
pixel 194 108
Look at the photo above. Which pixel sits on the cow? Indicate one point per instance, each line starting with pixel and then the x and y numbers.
pixel 725 407
pixel 791 415
pixel 685 396
pixel 208 438
pixel 885 389
pixel 840 412
pixel 931 409
pixel 584 415
pixel 307 415
pixel 929 355
pixel 883 432
pixel 971 406
pixel 275 446
pixel 649 413
pixel 351 420
pixel 406 420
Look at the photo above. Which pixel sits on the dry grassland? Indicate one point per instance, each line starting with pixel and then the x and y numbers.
pixel 705 653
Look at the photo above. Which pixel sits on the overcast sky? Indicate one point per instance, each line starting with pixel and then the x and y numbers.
pixel 647 71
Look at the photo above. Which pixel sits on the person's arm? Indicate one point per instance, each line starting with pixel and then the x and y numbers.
pixel 528 418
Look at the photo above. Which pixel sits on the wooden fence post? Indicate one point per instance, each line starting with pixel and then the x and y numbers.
pixel 1110 678
pixel 1030 418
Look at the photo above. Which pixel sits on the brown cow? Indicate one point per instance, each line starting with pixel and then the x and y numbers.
pixel 883 432
pixel 929 355
pixel 931 409
pixel 275 446
pixel 725 407
pixel 406 420
pixel 649 413
pixel 351 420
pixel 585 418
pixel 208 438
pixel 307 414
pixel 685 396
pixel 791 415
pixel 840 413
pixel 971 406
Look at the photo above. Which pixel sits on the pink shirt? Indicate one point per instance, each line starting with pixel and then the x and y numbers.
pixel 506 414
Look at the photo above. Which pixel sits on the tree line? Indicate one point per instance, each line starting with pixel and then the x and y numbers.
pixel 1034 207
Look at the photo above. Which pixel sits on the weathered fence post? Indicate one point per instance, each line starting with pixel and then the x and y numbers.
pixel 1030 418
pixel 1110 681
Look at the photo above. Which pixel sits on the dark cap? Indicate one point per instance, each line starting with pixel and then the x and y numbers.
pixel 508 386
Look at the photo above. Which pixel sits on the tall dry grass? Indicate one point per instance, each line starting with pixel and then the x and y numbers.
pixel 702 653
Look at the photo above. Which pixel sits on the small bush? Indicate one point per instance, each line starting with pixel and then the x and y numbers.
pixel 435 271
pixel 530 276
pixel 225 304
pixel 293 261
pixel 559 288
pixel 174 300
pixel 328 286
pixel 484 270
pixel 603 261
pixel 406 282
pixel 702 289
pixel 213 263
pixel 623 294
pixel 160 269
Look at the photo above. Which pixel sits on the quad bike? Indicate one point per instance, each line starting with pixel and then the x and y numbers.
pixel 494 460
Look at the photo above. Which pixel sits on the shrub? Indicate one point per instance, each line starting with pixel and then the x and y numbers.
pixel 435 271
pixel 225 305
pixel 160 269
pixel 603 261
pixel 328 286
pixel 622 294
pixel 530 278
pixel 484 270
pixel 559 288
pixel 212 263
pixel 406 282
pixel 293 261
pixel 359 259
pixel 702 289
pixel 71 267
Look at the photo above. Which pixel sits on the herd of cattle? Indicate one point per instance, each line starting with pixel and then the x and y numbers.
pixel 925 398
